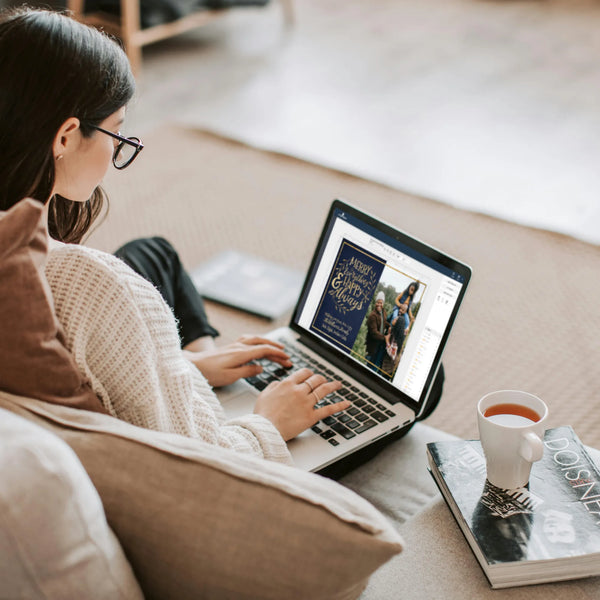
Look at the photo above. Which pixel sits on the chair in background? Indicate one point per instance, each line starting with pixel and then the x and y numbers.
pixel 128 27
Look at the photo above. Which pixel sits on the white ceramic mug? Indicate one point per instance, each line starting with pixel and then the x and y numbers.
pixel 511 429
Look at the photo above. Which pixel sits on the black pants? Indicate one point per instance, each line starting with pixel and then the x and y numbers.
pixel 156 260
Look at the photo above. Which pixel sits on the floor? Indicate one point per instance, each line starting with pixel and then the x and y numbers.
pixel 490 105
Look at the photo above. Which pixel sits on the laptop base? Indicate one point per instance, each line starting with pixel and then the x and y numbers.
pixel 360 457
pixel 343 466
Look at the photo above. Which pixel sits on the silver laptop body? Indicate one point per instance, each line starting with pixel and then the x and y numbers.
pixel 358 257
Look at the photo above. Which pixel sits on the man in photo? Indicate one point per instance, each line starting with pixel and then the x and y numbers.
pixel 376 332
pixel 394 341
pixel 398 329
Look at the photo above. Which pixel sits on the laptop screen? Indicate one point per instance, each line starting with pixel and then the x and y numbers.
pixel 381 301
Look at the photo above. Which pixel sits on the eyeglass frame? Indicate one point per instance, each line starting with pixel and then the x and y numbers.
pixel 131 141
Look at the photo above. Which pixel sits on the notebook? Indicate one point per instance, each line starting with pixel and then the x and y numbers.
pixel 358 259
pixel 250 283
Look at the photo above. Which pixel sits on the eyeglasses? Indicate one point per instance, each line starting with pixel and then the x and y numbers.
pixel 127 148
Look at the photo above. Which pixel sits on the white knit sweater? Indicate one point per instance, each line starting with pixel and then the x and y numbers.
pixel 124 339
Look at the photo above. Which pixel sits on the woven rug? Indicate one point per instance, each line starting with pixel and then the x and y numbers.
pixel 530 318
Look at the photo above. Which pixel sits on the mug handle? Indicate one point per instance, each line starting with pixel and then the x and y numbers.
pixel 532 448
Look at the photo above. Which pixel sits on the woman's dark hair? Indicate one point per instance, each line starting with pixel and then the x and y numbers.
pixel 53 68
pixel 414 284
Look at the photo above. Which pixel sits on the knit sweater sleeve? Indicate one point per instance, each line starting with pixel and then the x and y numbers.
pixel 124 339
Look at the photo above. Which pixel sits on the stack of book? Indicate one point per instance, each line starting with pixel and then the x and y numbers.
pixel 546 531
pixel 249 283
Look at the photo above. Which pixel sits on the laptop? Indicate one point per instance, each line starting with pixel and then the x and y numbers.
pixel 357 259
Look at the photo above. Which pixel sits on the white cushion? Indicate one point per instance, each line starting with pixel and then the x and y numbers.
pixel 54 538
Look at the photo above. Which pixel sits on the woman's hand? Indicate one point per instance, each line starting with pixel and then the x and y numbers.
pixel 289 404
pixel 226 365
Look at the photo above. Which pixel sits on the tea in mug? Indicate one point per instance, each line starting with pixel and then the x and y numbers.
pixel 511 415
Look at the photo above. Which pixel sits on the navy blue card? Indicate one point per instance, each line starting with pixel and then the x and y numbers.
pixel 347 295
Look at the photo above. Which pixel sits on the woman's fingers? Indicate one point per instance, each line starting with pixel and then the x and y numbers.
pixel 253 340
pixel 313 381
pixel 316 386
pixel 290 404
pixel 247 370
pixel 330 409
pixel 244 354
pixel 300 375
pixel 324 388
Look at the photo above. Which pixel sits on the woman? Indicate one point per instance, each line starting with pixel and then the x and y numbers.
pixel 64 91
pixel 402 311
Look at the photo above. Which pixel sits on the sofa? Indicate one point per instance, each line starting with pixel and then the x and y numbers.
pixel 97 508
pixel 93 507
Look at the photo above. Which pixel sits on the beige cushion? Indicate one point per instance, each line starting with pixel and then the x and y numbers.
pixel 55 542
pixel 198 521
pixel 33 359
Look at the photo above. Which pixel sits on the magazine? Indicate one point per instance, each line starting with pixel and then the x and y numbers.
pixel 546 531
pixel 249 283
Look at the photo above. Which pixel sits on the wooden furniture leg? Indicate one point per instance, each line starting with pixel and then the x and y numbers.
pixel 288 12
pixel 128 27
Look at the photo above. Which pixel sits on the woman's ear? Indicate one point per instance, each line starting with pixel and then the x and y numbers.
pixel 67 138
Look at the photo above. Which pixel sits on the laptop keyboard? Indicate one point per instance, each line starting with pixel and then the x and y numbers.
pixel 364 413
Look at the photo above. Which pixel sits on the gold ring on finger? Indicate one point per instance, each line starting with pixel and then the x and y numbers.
pixel 316 397
pixel 308 384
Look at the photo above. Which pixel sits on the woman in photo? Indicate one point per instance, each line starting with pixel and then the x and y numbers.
pixel 402 310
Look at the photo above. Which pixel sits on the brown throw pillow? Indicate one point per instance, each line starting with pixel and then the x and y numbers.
pixel 199 521
pixel 33 358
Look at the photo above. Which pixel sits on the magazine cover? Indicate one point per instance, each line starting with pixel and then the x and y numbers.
pixel 557 516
